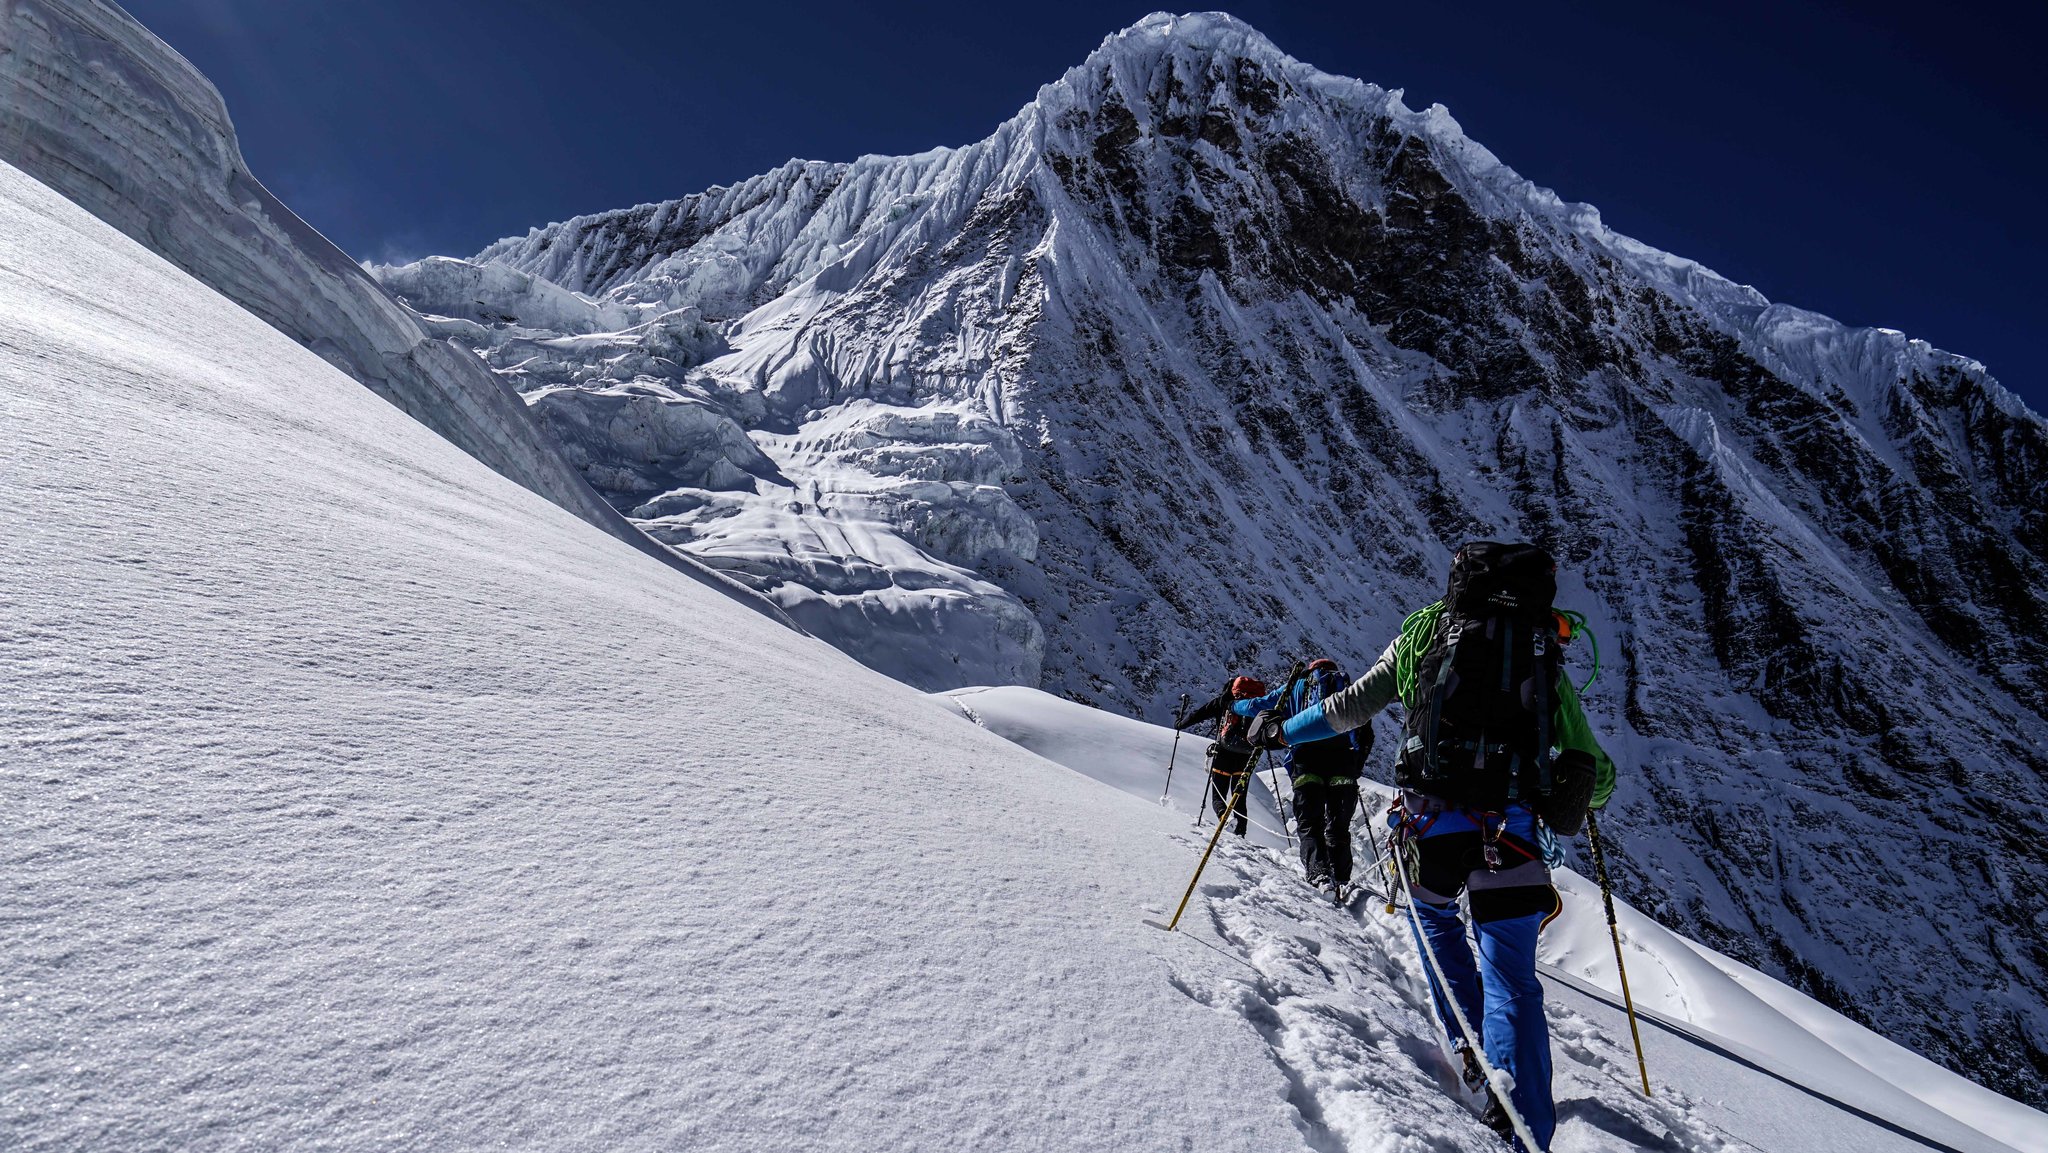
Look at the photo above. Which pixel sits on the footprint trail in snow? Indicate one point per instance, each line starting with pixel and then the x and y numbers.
pixel 1338 996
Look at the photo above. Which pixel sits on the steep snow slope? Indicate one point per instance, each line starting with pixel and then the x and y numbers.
pixel 1208 356
pixel 107 114
pixel 356 829
pixel 1766 1026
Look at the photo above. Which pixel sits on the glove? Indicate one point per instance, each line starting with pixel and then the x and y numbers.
pixel 1265 731
pixel 1571 793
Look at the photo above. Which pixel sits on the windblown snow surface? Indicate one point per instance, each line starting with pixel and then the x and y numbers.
pixel 357 798
pixel 105 113
pixel 1207 356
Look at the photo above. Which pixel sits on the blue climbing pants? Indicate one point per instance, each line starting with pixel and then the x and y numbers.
pixel 1511 899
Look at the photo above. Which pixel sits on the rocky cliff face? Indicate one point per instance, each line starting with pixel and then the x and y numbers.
pixel 1207 357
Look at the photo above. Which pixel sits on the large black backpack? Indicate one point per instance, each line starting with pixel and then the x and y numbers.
pixel 1479 732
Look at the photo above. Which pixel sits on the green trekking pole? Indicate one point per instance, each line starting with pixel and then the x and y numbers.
pixel 1175 752
pixel 1614 929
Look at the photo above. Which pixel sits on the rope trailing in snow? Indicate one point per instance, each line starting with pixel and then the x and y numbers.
pixel 1202 818
pixel 1500 1083
pixel 1263 826
pixel 1202 813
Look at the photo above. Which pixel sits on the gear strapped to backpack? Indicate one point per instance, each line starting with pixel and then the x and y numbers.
pixel 1479 732
pixel 1343 756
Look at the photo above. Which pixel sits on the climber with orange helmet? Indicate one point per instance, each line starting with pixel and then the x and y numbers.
pixel 1229 756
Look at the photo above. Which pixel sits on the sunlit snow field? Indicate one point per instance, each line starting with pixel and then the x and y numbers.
pixel 356 798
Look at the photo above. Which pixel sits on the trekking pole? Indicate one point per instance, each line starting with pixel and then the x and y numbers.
pixel 1607 896
pixel 1175 750
pixel 1386 866
pixel 1282 805
pixel 1287 821
pixel 1236 795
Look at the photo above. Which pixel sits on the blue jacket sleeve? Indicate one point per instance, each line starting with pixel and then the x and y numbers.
pixel 1253 707
pixel 1308 725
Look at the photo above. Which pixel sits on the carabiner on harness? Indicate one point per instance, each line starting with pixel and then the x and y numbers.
pixel 1489 838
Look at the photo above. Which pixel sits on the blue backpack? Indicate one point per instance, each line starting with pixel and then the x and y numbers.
pixel 1323 683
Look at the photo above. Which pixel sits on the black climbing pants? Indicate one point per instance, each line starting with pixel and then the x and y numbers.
pixel 1322 819
pixel 1227 768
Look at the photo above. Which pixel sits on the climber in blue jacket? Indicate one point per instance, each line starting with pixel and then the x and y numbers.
pixel 1324 774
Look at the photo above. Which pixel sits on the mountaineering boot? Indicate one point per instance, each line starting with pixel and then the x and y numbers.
pixel 1496 1118
pixel 1473 1076
pixel 1493 1116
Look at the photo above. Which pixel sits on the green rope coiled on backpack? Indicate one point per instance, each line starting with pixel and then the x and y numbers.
pixel 1416 633
pixel 1579 625
pixel 1420 628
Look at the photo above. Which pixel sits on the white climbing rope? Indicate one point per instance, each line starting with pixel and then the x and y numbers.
pixel 1499 1082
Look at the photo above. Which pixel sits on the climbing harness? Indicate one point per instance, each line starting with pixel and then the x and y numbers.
pixel 1500 1083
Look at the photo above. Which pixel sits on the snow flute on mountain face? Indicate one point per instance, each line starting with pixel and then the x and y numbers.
pixel 1480 833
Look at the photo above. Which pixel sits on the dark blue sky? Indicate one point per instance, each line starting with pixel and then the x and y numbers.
pixel 1881 163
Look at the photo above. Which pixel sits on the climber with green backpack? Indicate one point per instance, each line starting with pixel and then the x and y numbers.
pixel 1496 755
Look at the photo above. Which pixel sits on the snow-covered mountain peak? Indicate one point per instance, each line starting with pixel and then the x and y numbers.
pixel 373 823
pixel 1207 357
pixel 1133 57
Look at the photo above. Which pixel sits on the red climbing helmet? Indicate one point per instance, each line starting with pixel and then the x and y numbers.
pixel 1245 688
